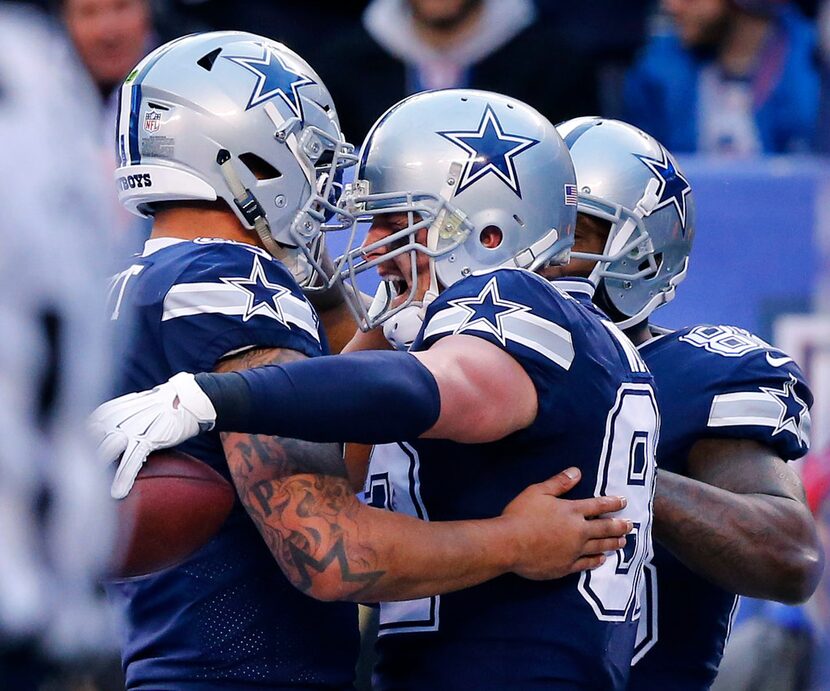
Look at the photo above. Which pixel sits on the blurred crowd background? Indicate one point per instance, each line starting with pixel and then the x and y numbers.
pixel 740 89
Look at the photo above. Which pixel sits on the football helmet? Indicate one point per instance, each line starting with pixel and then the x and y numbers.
pixel 627 178
pixel 458 162
pixel 238 117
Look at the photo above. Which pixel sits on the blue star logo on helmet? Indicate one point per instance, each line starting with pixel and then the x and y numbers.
pixel 274 78
pixel 673 186
pixel 490 150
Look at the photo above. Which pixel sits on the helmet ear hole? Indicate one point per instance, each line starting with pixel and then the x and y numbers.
pixel 261 169
pixel 491 237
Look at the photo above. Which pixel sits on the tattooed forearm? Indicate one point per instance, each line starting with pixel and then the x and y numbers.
pixel 309 523
pixel 286 456
pixel 297 494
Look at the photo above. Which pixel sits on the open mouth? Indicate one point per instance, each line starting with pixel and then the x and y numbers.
pixel 396 285
pixel 399 285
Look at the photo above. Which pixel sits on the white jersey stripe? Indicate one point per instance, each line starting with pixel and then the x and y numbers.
pixel 188 299
pixel 744 408
pixel 635 361
pixel 545 337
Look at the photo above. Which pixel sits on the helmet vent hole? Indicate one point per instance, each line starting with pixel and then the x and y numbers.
pixel 261 169
pixel 206 61
pixel 157 106
pixel 519 220
pixel 491 237
pixel 658 260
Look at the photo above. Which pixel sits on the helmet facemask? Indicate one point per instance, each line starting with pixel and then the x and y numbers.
pixel 629 254
pixel 447 228
pixel 325 156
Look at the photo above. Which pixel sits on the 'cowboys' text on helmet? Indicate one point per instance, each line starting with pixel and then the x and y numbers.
pixel 237 117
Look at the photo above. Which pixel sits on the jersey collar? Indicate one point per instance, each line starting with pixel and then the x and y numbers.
pixel 155 244
pixel 574 285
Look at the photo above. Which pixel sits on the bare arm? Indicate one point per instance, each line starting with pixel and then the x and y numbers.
pixel 485 393
pixel 333 547
pixel 740 520
pixel 339 326
pixel 367 340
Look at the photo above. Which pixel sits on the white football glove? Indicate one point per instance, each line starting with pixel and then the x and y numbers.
pixel 135 425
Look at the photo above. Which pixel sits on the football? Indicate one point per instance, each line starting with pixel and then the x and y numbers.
pixel 176 506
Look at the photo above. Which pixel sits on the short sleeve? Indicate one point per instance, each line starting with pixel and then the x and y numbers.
pixel 518 313
pixel 752 391
pixel 232 297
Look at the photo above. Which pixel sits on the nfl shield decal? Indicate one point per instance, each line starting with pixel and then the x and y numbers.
pixel 152 120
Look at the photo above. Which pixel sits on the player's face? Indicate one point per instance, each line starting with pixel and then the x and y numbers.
pixel 109 35
pixel 442 13
pixel 590 235
pixel 398 270
pixel 698 22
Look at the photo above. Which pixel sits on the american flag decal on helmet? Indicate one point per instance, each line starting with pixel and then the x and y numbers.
pixel 570 195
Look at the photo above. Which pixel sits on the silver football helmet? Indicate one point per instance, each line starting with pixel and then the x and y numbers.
pixel 238 117
pixel 458 162
pixel 626 177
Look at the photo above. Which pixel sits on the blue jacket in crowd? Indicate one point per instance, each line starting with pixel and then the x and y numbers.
pixel 661 90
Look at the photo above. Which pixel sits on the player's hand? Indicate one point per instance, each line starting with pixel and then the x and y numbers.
pixel 135 425
pixel 555 537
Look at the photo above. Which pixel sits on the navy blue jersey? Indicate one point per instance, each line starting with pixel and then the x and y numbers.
pixel 227 617
pixel 712 382
pixel 597 410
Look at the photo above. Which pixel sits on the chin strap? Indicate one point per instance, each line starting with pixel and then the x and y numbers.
pixel 402 329
pixel 251 209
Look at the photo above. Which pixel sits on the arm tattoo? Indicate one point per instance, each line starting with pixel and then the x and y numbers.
pixel 309 523
pixel 257 357
pixel 297 494
pixel 286 456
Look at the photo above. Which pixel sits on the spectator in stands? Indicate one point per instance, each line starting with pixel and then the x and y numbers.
pixel 108 38
pixel 406 46
pixel 788 648
pixel 733 77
